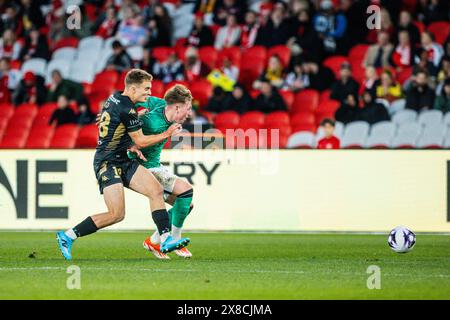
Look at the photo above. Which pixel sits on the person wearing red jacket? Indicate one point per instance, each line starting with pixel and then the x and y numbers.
pixel 329 141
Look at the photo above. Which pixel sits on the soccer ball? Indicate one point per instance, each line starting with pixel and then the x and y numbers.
pixel 401 240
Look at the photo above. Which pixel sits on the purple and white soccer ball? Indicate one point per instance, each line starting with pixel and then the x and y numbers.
pixel 401 240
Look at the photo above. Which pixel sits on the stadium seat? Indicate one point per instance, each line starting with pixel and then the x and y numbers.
pixel 381 135
pixel 357 53
pixel 305 100
pixel 157 88
pixel 404 75
pixel 281 51
pixel 301 140
pixel 404 116
pixel 252 120
pixel 272 140
pixel 87 137
pixel 66 42
pixel 277 118
pixel 44 113
pixel 226 120
pixel 417 23
pixel 334 63
pixel 63 66
pixel 407 136
pixel 107 43
pixel 37 65
pixel 82 71
pixel 447 119
pixel 430 118
pixel 304 117
pixel 94 43
pixel 161 53
pixel 13 142
pixel 201 90
pixel 440 30
pixel 431 139
pixel 325 95
pixel 288 98
pixel 255 62
pixel 67 54
pixel 136 53
pixel 446 144
pixel 64 137
pixel 89 54
pixel 40 137
pixel 396 106
pixel 120 84
pixel 105 81
pixel 208 55
pixel 326 110
pixel 26 110
pixel 355 135
pixel 232 53
pixel 102 60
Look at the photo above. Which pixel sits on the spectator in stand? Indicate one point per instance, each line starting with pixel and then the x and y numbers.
pixel 250 30
pixel 9 47
pixel 274 73
pixel 348 110
pixel 388 89
pixel 444 73
pixel 238 100
pixel 424 64
pixel 442 101
pixel 84 115
pixel 10 19
pixel 120 60
pixel 305 39
pixel 434 50
pixel 31 15
pixel 277 30
pixel 31 89
pixel 386 27
pixel 378 54
pixel 331 27
pixel 161 25
pixel 10 77
pixel 229 35
pixel 216 103
pixel 319 77
pixel 371 111
pixel 127 8
pixel 36 46
pixel 108 27
pixel 149 10
pixel 63 114
pixel 370 82
pixel 200 35
pixel 194 68
pixel 405 23
pixel 229 69
pixel 429 11
pixel 64 87
pixel 224 8
pixel 170 70
pixel 132 32
pixel 329 141
pixel 345 86
pixel 269 99
pixel 296 80
pixel 420 96
pixel 403 54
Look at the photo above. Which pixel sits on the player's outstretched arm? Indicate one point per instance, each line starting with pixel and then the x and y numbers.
pixel 143 141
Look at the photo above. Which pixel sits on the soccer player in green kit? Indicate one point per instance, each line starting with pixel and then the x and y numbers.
pixel 156 115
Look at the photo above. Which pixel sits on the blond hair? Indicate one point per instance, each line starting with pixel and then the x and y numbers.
pixel 178 94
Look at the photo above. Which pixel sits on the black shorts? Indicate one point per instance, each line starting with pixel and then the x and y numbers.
pixel 109 173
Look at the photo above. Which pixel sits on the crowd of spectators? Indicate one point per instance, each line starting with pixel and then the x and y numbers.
pixel 313 30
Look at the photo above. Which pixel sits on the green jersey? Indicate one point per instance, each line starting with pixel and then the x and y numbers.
pixel 153 122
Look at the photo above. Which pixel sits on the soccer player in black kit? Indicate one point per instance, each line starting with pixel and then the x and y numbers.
pixel 119 128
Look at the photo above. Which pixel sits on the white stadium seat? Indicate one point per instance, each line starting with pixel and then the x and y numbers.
pixel 82 71
pixel 102 60
pixel 381 134
pixel 94 43
pixel 302 139
pixel 434 139
pixel 447 119
pixel 403 116
pixel 355 134
pixel 107 44
pixel 430 117
pixel 63 66
pixel 136 53
pixel 66 53
pixel 397 106
pixel 37 65
pixel 407 136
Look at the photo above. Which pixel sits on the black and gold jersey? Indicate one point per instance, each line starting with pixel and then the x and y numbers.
pixel 118 117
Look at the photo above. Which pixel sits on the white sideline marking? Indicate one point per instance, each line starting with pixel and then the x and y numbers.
pixel 210 271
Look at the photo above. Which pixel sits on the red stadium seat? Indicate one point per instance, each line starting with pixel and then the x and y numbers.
pixel 419 26
pixel 26 110
pixel 288 98
pixel 357 53
pixel 325 95
pixel 305 100
pixel 303 118
pixel 44 113
pixel 441 30
pixel 208 55
pixel 120 84
pixel 157 88
pixel 226 120
pixel 105 80
pixel 252 120
pixel 283 52
pixel 258 52
pixel 40 137
pixel 326 110
pixel 171 84
pixel 232 53
pixel 304 127
pixel 201 90
pixel 87 137
pixel 404 75
pixel 255 62
pixel 66 42
pixel 161 53
pixel 14 142
pixel 267 142
pixel 334 63
pixel 277 118
pixel 65 137
pixel 181 53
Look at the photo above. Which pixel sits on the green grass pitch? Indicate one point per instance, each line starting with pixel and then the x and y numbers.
pixel 225 266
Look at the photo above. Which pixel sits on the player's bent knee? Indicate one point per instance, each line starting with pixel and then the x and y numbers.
pixel 117 216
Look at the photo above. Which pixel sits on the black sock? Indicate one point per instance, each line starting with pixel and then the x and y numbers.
pixel 85 227
pixel 161 219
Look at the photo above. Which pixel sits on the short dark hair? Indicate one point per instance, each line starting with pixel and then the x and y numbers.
pixel 116 44
pixel 328 121
pixel 137 76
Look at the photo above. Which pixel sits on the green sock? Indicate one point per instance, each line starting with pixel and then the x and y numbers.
pixel 181 208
